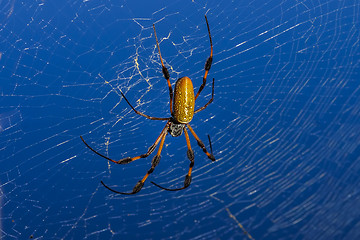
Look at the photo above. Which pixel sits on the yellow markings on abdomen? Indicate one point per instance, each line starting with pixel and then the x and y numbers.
pixel 184 100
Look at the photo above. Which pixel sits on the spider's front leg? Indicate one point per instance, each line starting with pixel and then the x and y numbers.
pixel 188 178
pixel 155 161
pixel 130 159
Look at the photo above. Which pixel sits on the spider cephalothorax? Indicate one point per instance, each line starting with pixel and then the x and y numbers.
pixel 182 103
pixel 175 129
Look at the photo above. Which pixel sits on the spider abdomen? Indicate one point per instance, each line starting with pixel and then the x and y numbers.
pixel 184 100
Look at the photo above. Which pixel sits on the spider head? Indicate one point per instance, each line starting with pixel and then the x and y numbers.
pixel 176 129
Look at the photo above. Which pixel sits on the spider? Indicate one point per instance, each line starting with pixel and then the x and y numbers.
pixel 182 103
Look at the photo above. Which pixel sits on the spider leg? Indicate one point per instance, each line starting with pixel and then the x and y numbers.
pixel 208 62
pixel 190 155
pixel 201 144
pixel 155 161
pixel 130 159
pixel 210 144
pixel 165 72
pixel 98 152
pixel 210 101
pixel 140 113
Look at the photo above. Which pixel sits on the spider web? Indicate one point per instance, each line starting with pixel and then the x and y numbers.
pixel 284 123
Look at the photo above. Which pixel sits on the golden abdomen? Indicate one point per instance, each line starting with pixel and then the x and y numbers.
pixel 184 100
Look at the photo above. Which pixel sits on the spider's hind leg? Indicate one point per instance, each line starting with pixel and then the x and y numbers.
pixel 165 72
pixel 140 113
pixel 208 62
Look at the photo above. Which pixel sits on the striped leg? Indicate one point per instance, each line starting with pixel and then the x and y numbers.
pixel 130 159
pixel 208 62
pixel 140 113
pixel 210 101
pixel 154 163
pixel 165 72
pixel 201 144
pixel 190 155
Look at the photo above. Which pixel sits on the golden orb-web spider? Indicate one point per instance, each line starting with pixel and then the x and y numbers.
pixel 182 103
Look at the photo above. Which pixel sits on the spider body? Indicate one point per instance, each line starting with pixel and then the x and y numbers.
pixel 184 100
pixel 182 105
pixel 175 129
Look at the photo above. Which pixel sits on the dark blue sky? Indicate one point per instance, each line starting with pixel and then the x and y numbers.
pixel 284 123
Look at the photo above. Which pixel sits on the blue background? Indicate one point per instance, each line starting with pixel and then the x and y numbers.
pixel 285 122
